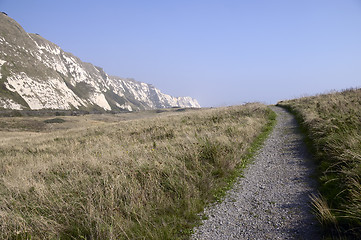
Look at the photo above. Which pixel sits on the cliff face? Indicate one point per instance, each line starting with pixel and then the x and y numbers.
pixel 37 74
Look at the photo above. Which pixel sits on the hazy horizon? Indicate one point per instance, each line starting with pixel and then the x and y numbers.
pixel 219 52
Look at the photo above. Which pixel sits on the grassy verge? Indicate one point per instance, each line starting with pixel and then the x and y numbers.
pixel 332 123
pixel 246 158
pixel 139 179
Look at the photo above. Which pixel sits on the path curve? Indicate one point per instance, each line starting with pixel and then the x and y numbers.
pixel 271 201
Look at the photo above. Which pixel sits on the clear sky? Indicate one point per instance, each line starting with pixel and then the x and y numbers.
pixel 221 52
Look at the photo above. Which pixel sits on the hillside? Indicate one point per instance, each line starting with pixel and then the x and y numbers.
pixel 37 74
pixel 332 123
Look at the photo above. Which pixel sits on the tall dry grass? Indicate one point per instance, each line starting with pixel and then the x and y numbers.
pixel 333 125
pixel 140 179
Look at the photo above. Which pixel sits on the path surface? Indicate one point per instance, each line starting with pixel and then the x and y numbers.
pixel 272 200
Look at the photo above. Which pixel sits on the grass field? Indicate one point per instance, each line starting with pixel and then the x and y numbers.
pixel 129 176
pixel 333 125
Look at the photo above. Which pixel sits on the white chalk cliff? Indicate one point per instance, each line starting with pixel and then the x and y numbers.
pixel 37 74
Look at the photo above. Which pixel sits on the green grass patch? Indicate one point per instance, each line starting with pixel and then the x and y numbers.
pixel 54 120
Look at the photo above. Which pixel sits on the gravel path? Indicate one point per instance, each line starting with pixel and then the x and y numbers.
pixel 272 200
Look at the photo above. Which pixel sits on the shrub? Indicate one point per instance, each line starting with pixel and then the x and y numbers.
pixel 55 120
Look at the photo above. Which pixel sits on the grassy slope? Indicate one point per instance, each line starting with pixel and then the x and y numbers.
pixel 139 179
pixel 333 125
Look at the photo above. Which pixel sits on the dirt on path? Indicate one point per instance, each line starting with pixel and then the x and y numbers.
pixel 272 200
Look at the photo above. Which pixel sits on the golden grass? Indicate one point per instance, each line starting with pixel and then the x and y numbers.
pixel 139 179
pixel 333 125
pixel 323 211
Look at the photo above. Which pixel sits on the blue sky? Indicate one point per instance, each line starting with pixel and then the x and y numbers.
pixel 221 52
